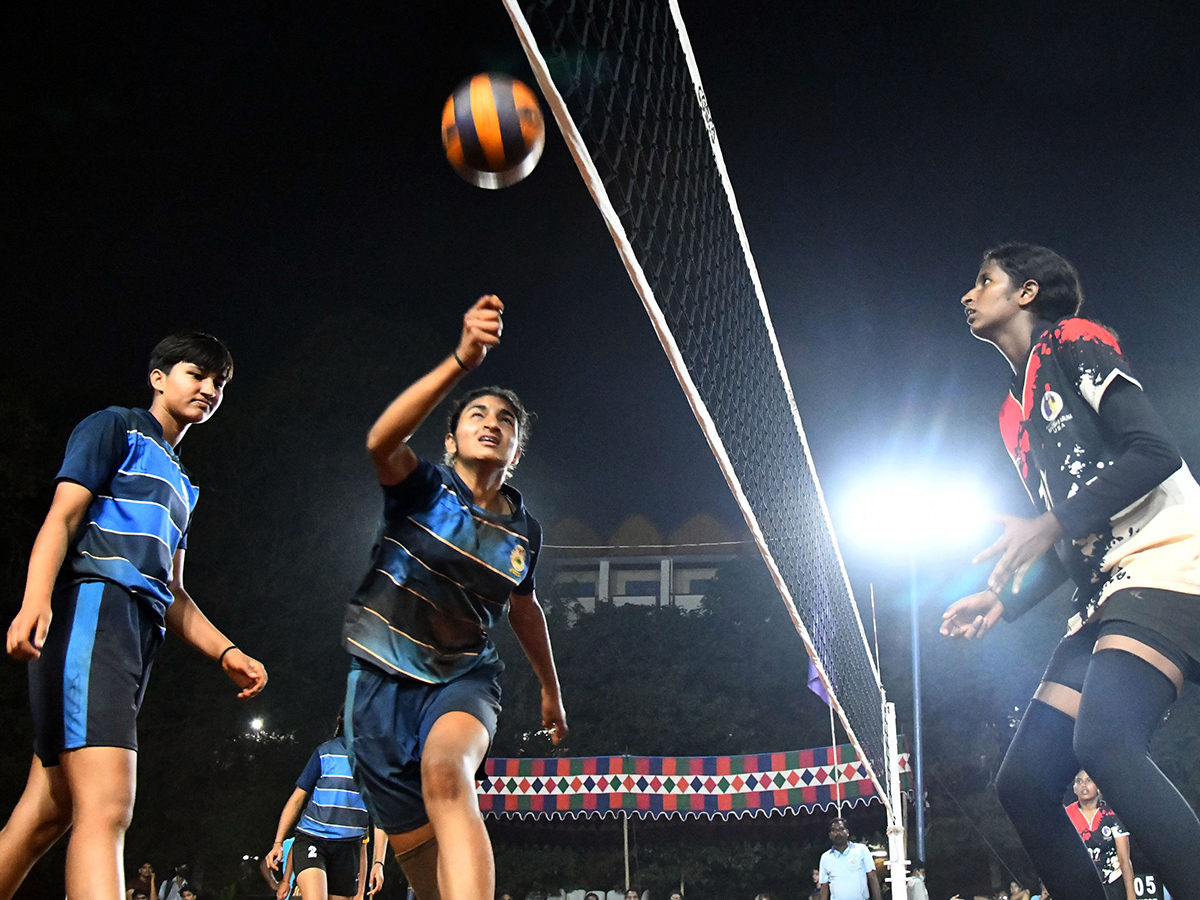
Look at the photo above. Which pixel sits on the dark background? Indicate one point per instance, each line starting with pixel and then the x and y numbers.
pixel 273 173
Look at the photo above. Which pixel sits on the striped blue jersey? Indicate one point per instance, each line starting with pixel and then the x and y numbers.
pixel 441 573
pixel 141 507
pixel 335 810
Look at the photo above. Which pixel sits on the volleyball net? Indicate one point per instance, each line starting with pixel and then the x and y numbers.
pixel 622 82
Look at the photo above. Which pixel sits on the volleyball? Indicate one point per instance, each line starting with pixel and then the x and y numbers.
pixel 493 130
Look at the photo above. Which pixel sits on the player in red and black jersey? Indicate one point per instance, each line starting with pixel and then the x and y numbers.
pixel 1122 512
pixel 1104 837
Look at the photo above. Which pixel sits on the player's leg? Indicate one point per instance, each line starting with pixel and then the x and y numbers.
pixel 343 865
pixel 417 853
pixel 312 883
pixel 1038 769
pixel 41 817
pixel 308 865
pixel 107 662
pixel 453 751
pixel 1134 676
pixel 102 782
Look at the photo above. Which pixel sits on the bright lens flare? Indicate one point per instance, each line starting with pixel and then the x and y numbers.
pixel 256 724
pixel 919 516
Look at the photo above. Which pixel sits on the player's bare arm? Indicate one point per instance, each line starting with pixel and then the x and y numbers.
pixel 379 846
pixel 185 619
pixel 387 441
pixel 27 633
pixel 529 624
pixel 287 821
pixel 1122 844
pixel 972 616
pixel 1023 543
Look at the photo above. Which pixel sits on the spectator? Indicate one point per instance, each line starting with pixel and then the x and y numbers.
pixel 1016 892
pixel 916 882
pixel 172 888
pixel 1105 838
pixel 143 881
pixel 847 871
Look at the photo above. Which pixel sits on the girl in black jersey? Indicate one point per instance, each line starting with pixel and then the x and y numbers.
pixel 1122 512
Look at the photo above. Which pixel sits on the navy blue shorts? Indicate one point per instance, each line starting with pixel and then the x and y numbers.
pixel 1164 620
pixel 86 688
pixel 387 722
pixel 339 860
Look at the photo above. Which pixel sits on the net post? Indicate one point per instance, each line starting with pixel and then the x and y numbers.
pixel 897 854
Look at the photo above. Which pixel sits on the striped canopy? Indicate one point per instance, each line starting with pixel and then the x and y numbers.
pixel 678 786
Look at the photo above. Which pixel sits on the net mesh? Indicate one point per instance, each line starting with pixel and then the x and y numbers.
pixel 623 73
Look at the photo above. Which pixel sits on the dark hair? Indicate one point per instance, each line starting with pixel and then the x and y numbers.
pixel 339 726
pixel 195 347
pixel 524 416
pixel 1059 292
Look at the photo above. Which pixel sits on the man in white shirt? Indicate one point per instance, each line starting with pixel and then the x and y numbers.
pixel 916 882
pixel 847 871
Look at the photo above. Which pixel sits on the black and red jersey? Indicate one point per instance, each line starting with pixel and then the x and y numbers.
pixel 1053 431
pixel 1099 831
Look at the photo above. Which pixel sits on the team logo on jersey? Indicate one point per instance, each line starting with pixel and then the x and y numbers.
pixel 1052 405
pixel 516 563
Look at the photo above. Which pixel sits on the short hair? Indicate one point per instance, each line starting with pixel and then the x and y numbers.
pixel 524 416
pixel 1059 292
pixel 196 347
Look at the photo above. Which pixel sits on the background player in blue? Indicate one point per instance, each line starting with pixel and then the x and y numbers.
pixel 333 829
pixel 456 548
pixel 105 580
pixel 1123 513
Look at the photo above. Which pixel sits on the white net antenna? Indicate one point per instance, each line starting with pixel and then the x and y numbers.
pixel 622 82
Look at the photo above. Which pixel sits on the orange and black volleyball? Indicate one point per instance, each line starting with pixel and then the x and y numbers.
pixel 493 130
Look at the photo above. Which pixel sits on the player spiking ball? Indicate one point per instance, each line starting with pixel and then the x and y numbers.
pixel 105 581
pixel 456 548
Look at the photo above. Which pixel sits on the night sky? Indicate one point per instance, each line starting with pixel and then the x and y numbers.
pixel 255 169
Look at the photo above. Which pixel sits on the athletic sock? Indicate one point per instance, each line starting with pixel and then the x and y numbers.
pixel 1124 698
pixel 1037 771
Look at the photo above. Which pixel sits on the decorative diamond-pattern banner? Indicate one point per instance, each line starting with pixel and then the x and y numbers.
pixel 653 786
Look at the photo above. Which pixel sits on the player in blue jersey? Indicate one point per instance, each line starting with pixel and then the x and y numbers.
pixel 332 829
pixel 1121 512
pixel 105 580
pixel 456 549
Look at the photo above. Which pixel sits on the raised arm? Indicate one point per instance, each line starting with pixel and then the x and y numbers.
pixel 529 623
pixel 185 619
pixel 387 441
pixel 28 630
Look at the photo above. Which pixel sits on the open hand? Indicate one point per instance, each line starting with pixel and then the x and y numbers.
pixel 1023 542
pixel 973 616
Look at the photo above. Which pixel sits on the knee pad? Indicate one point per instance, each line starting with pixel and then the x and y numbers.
pixel 419 866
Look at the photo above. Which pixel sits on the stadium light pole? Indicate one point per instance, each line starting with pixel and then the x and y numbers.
pixel 914 516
